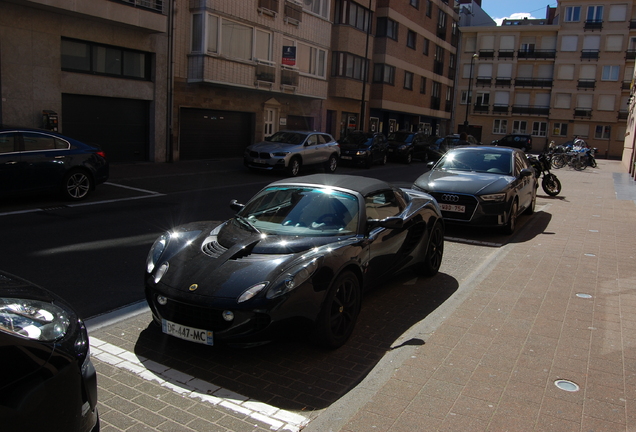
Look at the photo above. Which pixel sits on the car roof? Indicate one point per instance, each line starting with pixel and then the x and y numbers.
pixel 362 185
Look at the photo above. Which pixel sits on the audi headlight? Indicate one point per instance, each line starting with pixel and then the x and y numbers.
pixel 361 153
pixel 293 278
pixel 494 197
pixel 33 319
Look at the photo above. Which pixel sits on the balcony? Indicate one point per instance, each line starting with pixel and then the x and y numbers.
pixel 293 13
pixel 484 81
pixel 536 54
pixel 503 54
pixel 626 85
pixel 481 109
pixel 530 110
pixel 632 24
pixel 448 106
pixel 441 33
pixel 623 114
pixel 289 77
pixel 500 109
pixel 486 54
pixel 586 84
pixel 630 54
pixel 269 7
pixel 583 112
pixel 593 25
pixel 265 73
pixel 438 67
pixel 451 73
pixel 435 103
pixel 589 54
pixel 533 82
pixel 503 82
pixel 159 6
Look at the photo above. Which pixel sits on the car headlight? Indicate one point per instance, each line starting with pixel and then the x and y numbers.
pixel 252 291
pixel 402 147
pixel 494 197
pixel 281 154
pixel 293 278
pixel 169 243
pixel 33 319
pixel 361 153
pixel 156 250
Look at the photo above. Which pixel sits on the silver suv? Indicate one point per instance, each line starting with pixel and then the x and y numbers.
pixel 290 150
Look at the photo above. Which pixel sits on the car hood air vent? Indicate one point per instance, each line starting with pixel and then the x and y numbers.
pixel 212 248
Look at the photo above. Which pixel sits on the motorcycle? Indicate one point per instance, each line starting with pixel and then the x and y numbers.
pixel 550 183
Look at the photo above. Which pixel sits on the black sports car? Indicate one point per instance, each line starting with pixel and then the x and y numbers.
pixel 300 251
pixel 482 185
pixel 47 380
pixel 33 160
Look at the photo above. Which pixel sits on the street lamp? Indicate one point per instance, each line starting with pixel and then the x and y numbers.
pixel 470 82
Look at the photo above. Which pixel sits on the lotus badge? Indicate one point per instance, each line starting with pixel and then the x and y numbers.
pixel 193 287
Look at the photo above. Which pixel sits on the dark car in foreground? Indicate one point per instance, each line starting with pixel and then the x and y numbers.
pixel 406 146
pixel 47 380
pixel 33 160
pixel 482 186
pixel 364 148
pixel 299 254
pixel 288 151
pixel 520 141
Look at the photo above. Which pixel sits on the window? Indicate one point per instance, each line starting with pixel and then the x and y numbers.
pixel 437 89
pixel 349 65
pixel 519 126
pixel 606 103
pixel 98 59
pixel 415 3
pixel 595 13
pixel 350 13
pixel 560 129
pixel 319 7
pixel 426 46
pixel 34 141
pixel 569 43
pixel 386 27
pixel 617 12
pixel 500 126
pixel 439 53
pixel 539 129
pixel 565 72
pixel 429 8
pixel 614 43
pixel 563 100
pixel 270 121
pixel 236 40
pixel 311 60
pixel 383 73
pixel 602 132
pixel 610 73
pixel 572 14
pixel 464 98
pixel 423 85
pixel 411 39
pixel 408 80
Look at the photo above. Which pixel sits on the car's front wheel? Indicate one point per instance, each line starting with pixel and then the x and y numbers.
pixel 294 167
pixel 511 225
pixel 434 252
pixel 77 185
pixel 340 311
pixel 332 164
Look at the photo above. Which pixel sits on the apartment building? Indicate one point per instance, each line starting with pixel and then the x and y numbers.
pixel 414 66
pixel 556 78
pixel 101 66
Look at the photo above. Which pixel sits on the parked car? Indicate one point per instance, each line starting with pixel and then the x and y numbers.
pixel 34 160
pixel 290 150
pixel 300 251
pixel 364 148
pixel 520 141
pixel 48 381
pixel 406 146
pixel 482 186
pixel 451 141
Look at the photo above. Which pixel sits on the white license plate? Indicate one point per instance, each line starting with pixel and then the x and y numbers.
pixel 187 333
pixel 345 157
pixel 259 161
pixel 453 208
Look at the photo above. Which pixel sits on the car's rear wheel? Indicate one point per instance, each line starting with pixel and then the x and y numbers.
pixel 294 167
pixel 511 225
pixel 339 312
pixel 385 158
pixel 533 204
pixel 77 185
pixel 332 164
pixel 434 252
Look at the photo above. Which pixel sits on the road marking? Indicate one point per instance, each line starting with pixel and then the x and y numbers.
pixel 195 388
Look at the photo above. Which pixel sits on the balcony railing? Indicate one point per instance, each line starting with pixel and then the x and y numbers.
pixel 451 73
pixel 289 77
pixel 630 54
pixel 589 54
pixel 265 72
pixel 441 33
pixel 438 67
pixel 160 6
pixel 503 81
pixel 623 114
pixel 500 109
pixel 486 54
pixel 293 12
pixel 536 54
pixel 506 54
pixel 435 103
pixel 583 112
pixel 484 81
pixel 586 84
pixel 270 5
pixel 632 24
pixel 533 82
pixel 481 109
pixel 593 25
pixel 626 85
pixel 448 106
pixel 530 110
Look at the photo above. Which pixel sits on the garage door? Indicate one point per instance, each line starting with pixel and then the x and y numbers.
pixel 209 134
pixel 119 126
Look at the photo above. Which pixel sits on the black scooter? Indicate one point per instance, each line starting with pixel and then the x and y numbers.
pixel 550 183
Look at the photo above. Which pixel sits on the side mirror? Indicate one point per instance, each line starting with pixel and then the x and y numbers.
pixel 430 164
pixel 392 222
pixel 236 206
pixel 268 138
pixel 527 172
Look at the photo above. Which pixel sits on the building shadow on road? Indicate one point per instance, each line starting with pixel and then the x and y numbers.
pixel 294 374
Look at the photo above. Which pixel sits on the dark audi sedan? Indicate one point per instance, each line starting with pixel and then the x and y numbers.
pixel 482 185
pixel 33 160
pixel 299 254
pixel 47 379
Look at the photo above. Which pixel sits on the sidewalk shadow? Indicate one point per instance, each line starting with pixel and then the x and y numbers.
pixel 294 374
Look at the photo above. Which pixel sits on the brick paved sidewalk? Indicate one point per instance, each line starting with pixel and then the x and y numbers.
pixel 558 303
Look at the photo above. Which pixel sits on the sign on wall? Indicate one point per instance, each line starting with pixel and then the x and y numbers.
pixel 289 55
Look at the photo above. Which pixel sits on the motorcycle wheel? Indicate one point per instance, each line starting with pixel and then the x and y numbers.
pixel 558 161
pixel 551 184
pixel 593 162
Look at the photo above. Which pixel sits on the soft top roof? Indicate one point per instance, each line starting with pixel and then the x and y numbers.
pixel 362 185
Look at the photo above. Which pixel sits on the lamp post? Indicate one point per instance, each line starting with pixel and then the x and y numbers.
pixel 470 82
